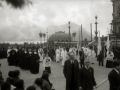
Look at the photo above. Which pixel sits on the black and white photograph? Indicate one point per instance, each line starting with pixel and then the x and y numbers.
pixel 59 44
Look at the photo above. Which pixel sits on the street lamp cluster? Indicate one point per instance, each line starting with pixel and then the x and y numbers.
pixel 96 32
pixel 42 35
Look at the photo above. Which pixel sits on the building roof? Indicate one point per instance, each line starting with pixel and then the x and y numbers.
pixel 59 36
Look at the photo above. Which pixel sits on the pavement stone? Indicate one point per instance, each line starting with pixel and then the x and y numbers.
pixel 57 77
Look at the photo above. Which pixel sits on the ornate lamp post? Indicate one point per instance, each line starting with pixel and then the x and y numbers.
pixel 74 34
pixel 40 34
pixel 69 29
pixel 96 32
pixel 44 35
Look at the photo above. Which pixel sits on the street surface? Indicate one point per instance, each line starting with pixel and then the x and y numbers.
pixel 57 77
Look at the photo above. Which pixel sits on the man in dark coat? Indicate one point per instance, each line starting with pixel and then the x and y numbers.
pixel 100 58
pixel 34 63
pixel 86 78
pixel 71 69
pixel 82 57
pixel 114 76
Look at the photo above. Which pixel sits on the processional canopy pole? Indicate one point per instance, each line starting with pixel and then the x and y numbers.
pixel 47 40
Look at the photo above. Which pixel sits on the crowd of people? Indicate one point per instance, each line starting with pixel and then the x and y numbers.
pixel 76 65
pixel 14 82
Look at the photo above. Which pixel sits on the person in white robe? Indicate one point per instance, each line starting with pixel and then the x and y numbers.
pixel 109 59
pixel 47 63
pixel 8 51
pixel 57 55
pixel 110 55
pixel 71 49
pixel 40 53
pixel 75 51
pixel 64 56
pixel 60 48
pixel 8 54
pixel 92 56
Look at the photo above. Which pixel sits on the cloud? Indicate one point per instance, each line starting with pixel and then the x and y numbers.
pixel 53 12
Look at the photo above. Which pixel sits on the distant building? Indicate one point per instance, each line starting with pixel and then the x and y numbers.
pixel 60 38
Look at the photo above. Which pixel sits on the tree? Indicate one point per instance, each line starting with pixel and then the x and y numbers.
pixel 16 3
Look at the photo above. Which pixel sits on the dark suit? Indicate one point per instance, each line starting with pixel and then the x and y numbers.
pixel 82 58
pixel 86 78
pixel 114 80
pixel 70 72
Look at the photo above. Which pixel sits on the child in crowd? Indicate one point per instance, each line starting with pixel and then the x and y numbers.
pixel 47 63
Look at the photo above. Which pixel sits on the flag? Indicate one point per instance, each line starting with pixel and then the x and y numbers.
pixel 99 45
pixel 108 43
pixel 78 47
pixel 79 43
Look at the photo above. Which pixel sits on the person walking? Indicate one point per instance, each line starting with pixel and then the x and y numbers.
pixel 114 76
pixel 86 80
pixel 70 71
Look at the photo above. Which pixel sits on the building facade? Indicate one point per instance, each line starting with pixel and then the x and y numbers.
pixel 116 17
pixel 116 22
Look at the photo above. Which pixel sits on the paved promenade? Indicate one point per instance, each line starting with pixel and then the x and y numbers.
pixel 57 77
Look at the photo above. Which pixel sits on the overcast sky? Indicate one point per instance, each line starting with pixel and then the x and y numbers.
pixel 44 13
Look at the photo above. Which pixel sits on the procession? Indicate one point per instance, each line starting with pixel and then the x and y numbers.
pixel 59 45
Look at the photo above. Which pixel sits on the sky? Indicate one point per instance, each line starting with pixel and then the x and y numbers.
pixel 43 13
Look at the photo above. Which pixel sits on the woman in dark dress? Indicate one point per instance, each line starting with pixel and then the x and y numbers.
pixel 13 57
pixel 24 57
pixel 29 59
pixel 34 62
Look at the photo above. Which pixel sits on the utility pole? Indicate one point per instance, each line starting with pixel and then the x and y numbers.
pixel 81 36
pixel 91 31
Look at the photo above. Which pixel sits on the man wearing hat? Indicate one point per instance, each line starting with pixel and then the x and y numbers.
pixel 71 69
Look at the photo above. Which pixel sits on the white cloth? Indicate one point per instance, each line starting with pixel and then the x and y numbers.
pixel 110 55
pixel 64 56
pixel 70 49
pixel 47 62
pixel 92 56
pixel 73 50
pixel 116 70
pixel 8 52
pixel 40 53
pixel 16 49
pixel 57 55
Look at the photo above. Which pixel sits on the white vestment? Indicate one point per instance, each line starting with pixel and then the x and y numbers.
pixel 92 56
pixel 40 53
pixel 47 62
pixel 110 55
pixel 8 52
pixel 57 55
pixel 64 56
